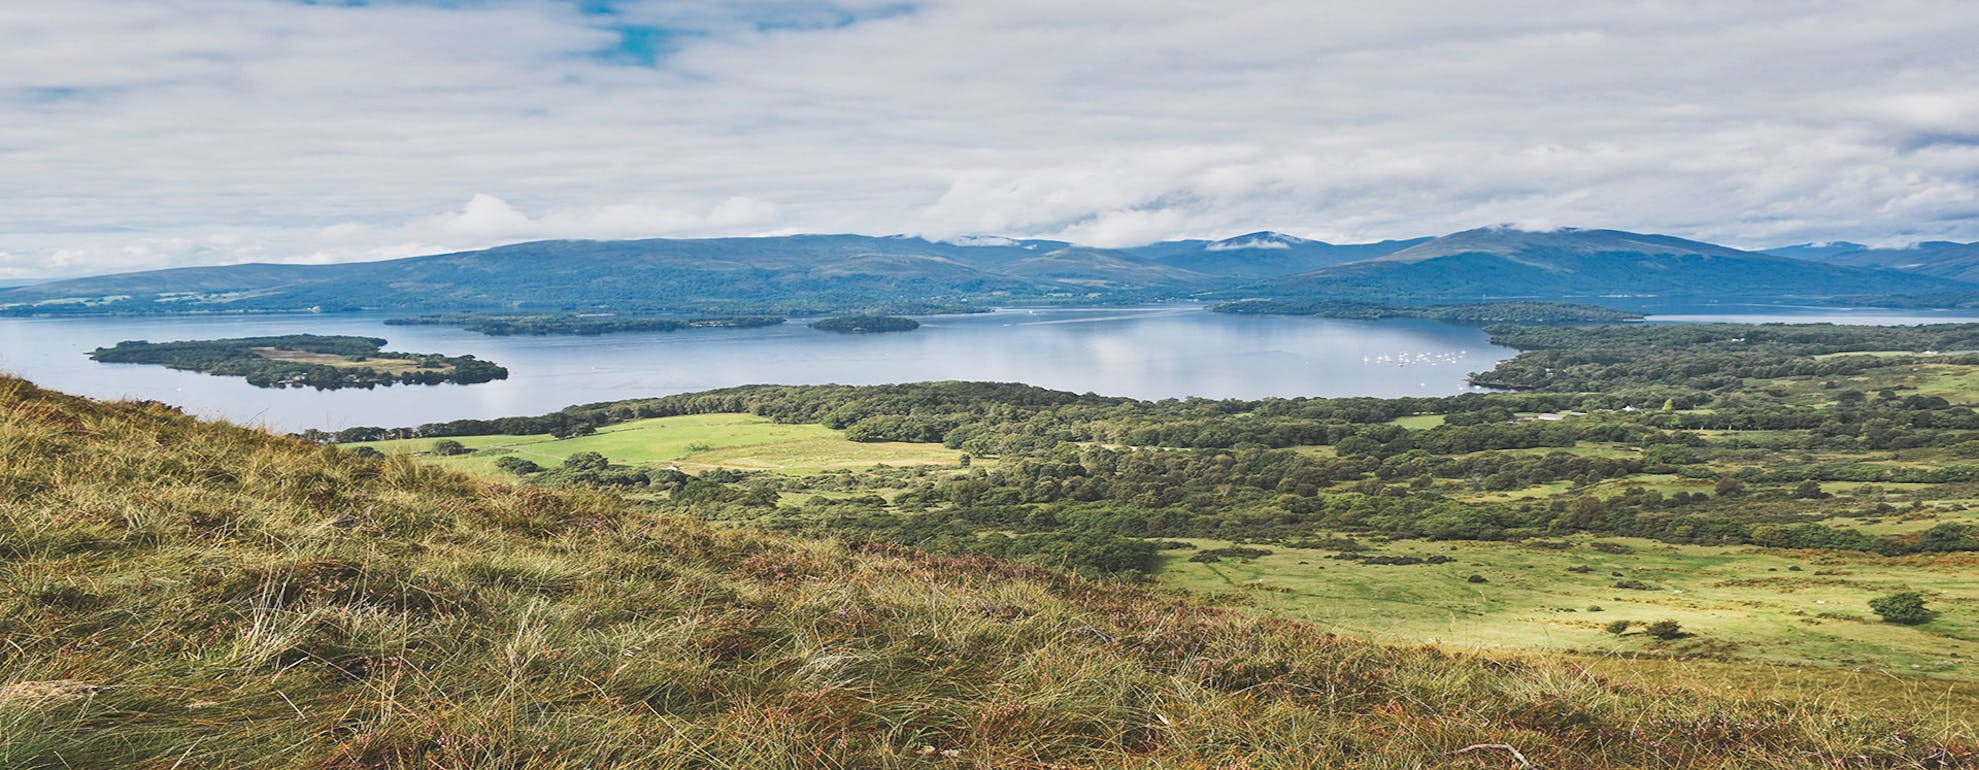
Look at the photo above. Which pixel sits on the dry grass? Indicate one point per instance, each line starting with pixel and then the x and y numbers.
pixel 176 594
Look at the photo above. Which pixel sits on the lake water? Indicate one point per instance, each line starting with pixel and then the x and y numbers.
pixel 1173 351
pixel 1151 353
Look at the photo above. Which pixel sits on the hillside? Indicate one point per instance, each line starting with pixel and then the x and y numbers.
pixel 1496 263
pixel 790 273
pixel 1941 259
pixel 188 594
pixel 1264 254
pixel 829 274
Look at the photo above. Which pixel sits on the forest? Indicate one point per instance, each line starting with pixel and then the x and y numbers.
pixel 1710 434
pixel 865 324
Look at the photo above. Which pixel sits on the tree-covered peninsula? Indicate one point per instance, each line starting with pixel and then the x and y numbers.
pixel 305 360
pixel 866 324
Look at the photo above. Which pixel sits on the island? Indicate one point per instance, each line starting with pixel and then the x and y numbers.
pixel 586 325
pixel 1470 313
pixel 305 360
pixel 866 324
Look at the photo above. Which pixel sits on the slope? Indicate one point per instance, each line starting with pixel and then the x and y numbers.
pixel 188 594
pixel 1264 254
pixel 1505 263
pixel 1942 259
pixel 794 273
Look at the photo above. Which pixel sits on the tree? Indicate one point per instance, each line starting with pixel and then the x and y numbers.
pixel 586 461
pixel 1906 608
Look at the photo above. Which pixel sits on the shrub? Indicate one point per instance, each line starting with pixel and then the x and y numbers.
pixel 1618 627
pixel 1906 608
pixel 517 465
pixel 365 451
pixel 1664 629
pixel 1476 579
pixel 1635 585
pixel 447 447
pixel 586 461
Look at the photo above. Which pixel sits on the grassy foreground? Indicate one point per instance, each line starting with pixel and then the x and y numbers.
pixel 184 594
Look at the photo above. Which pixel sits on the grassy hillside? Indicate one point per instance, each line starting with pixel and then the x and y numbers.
pixel 185 594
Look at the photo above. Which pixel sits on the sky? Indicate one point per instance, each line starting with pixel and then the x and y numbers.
pixel 138 134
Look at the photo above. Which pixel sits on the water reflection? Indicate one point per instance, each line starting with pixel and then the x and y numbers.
pixel 1151 353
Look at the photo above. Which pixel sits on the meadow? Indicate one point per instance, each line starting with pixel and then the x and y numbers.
pixel 693 443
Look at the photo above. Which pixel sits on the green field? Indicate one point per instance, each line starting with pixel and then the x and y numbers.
pixel 694 443
pixel 1739 603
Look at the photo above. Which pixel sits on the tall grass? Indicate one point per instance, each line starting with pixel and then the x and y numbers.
pixel 180 594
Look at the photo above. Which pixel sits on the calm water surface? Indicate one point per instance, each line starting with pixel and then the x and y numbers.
pixel 1151 353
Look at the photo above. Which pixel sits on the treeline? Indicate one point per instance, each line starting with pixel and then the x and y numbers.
pixel 257 359
pixel 1705 357
pixel 866 324
pixel 507 325
pixel 999 418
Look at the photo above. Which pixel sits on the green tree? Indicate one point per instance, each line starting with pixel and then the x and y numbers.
pixel 586 461
pixel 1906 608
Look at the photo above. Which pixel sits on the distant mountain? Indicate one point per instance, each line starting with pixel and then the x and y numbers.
pixel 793 273
pixel 1943 259
pixel 857 273
pixel 1263 254
pixel 1500 263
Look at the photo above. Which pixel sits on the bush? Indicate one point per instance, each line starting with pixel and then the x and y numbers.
pixel 517 465
pixel 1476 579
pixel 1906 608
pixel 1664 629
pixel 1618 627
pixel 447 447
pixel 365 451
pixel 586 461
pixel 1635 585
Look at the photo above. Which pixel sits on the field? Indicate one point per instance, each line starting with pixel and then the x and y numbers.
pixel 1737 603
pixel 694 443
pixel 387 365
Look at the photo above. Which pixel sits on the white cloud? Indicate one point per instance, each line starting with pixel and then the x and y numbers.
pixel 198 131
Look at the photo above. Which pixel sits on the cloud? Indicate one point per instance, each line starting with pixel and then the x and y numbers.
pixel 198 131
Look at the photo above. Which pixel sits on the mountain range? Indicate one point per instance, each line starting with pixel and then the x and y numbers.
pixel 1943 259
pixel 807 273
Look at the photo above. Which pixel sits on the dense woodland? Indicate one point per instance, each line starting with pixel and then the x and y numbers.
pixel 866 324
pixel 305 360
pixel 1748 420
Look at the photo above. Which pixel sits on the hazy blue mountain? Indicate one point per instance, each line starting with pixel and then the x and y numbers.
pixel 837 273
pixel 1499 263
pixel 1943 259
pixel 801 272
pixel 1263 254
